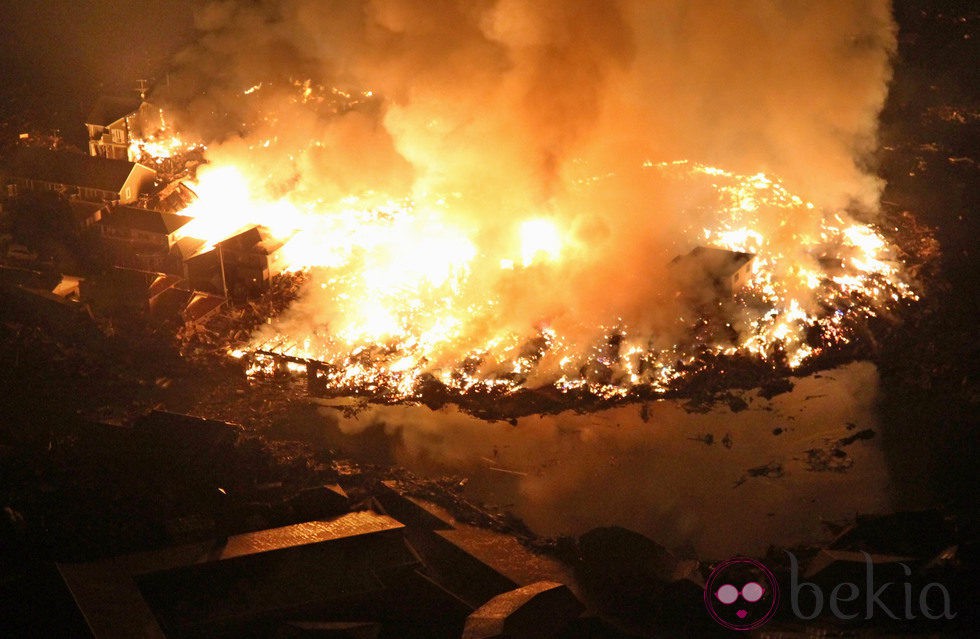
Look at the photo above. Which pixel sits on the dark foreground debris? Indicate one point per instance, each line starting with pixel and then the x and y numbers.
pixel 542 609
pixel 198 528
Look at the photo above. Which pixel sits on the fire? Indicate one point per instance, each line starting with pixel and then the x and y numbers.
pixel 157 149
pixel 504 195
pixel 226 205
pixel 396 282
pixel 540 239
pixel 223 197
pixel 160 145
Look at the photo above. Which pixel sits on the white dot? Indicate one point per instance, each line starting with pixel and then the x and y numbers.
pixel 727 594
pixel 752 591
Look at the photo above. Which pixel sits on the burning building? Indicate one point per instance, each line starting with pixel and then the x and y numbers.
pixel 113 123
pixel 491 229
pixel 721 269
pixel 250 259
pixel 496 231
pixel 132 129
pixel 242 264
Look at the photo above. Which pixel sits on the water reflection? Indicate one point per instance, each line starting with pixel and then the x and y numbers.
pixel 721 482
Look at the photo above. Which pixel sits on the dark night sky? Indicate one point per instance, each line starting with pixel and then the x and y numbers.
pixel 58 55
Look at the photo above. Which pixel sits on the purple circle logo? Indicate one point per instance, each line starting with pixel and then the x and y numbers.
pixel 741 594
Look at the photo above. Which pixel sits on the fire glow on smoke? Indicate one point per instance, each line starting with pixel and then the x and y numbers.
pixel 395 273
pixel 500 209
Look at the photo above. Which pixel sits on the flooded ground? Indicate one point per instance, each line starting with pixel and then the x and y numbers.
pixel 718 483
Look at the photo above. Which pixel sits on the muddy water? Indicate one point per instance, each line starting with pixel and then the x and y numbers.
pixel 653 469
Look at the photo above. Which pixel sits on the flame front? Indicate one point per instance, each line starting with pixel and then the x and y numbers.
pixel 494 194
pixel 398 277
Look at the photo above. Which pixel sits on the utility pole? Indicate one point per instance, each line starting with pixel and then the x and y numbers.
pixel 224 281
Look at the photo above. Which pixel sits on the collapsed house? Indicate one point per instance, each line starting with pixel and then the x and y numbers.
pixel 82 177
pixel 722 270
pixel 200 308
pixel 172 198
pixel 66 287
pixel 241 265
pixel 46 299
pixel 370 572
pixel 165 296
pixel 252 258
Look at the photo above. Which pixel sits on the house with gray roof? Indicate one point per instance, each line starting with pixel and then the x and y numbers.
pixel 114 122
pixel 83 177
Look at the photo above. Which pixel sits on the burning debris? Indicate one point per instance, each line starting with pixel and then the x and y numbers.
pixel 524 257
pixel 622 365
pixel 381 351
pixel 404 303
pixel 514 207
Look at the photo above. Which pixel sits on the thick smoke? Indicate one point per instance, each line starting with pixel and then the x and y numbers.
pixel 567 473
pixel 505 110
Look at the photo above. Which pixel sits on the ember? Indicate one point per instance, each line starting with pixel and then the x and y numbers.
pixel 397 279
pixel 514 228
pixel 409 318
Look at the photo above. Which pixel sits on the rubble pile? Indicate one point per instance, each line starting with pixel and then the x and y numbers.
pixel 165 478
pixel 711 380
pixel 447 492
pixel 232 328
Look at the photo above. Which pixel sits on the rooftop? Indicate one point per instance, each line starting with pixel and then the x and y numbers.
pixel 62 167
pixel 201 305
pixel 348 550
pixel 146 220
pixel 109 109
pixel 174 197
pixel 257 239
pixel 83 211
pixel 719 262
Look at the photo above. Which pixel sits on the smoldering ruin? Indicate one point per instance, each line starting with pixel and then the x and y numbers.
pixel 390 318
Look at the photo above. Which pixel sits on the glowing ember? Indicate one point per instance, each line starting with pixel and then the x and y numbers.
pixel 160 145
pixel 509 195
pixel 398 277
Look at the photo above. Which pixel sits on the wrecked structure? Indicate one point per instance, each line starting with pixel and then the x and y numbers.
pixel 164 296
pixel 58 308
pixel 114 122
pixel 722 270
pixel 251 259
pixel 172 198
pixel 242 265
pixel 342 551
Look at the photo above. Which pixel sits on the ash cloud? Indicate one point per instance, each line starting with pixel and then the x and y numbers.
pixel 510 110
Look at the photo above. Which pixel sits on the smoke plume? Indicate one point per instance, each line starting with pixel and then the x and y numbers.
pixel 495 112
